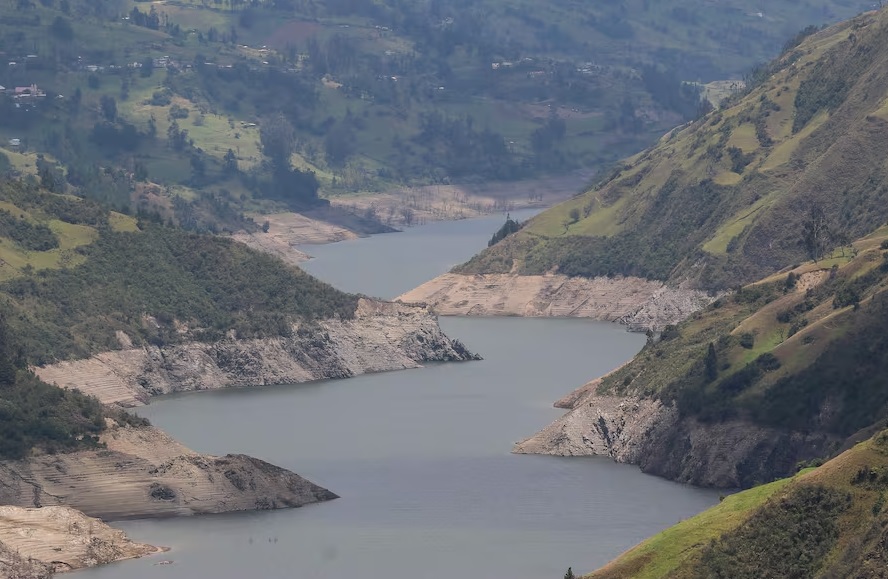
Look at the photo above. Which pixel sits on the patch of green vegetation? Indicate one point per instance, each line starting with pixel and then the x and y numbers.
pixel 801 352
pixel 725 200
pixel 824 522
pixel 665 552
pixel 38 418
pixel 212 285
pixel 789 537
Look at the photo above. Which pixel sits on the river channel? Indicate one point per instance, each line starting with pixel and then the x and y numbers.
pixel 421 457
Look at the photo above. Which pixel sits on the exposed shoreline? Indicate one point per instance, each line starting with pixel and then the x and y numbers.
pixel 354 216
pixel 141 472
pixel 637 303
pixel 37 542
pixel 383 336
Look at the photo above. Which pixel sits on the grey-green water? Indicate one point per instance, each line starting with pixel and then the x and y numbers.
pixel 421 458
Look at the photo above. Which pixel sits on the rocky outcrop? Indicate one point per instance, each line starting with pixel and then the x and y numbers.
pixel 382 336
pixel 640 304
pixel 142 472
pixel 35 543
pixel 652 435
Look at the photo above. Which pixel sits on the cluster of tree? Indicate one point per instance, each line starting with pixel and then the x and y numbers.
pixel 671 93
pixel 509 227
pixel 299 188
pixel 208 282
pixel 457 146
pixel 37 416
pixel 790 537
pixel 30 236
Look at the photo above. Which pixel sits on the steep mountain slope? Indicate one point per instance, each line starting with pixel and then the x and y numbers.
pixel 825 522
pixel 781 371
pixel 729 198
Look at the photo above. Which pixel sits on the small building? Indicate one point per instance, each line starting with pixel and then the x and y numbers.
pixel 2 89
pixel 28 92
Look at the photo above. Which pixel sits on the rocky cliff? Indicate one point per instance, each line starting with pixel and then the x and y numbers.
pixel 638 303
pixel 142 472
pixel 645 432
pixel 382 336
pixel 35 543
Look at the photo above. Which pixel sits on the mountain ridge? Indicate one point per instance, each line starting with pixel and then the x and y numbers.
pixel 725 200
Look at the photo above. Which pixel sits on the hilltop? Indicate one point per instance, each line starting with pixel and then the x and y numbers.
pixel 786 173
pixel 823 522
pixel 200 112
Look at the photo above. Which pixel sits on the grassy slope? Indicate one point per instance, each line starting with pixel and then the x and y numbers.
pixel 780 519
pixel 783 355
pixel 685 209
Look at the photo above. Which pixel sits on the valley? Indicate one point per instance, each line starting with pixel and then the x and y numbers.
pixel 232 227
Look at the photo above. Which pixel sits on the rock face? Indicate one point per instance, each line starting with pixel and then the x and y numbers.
pixel 382 336
pixel 652 435
pixel 142 472
pixel 34 543
pixel 638 303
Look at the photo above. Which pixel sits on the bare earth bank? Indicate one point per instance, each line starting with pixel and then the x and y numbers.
pixel 350 217
pixel 640 304
pixel 37 542
pixel 381 337
pixel 142 472
pixel 647 433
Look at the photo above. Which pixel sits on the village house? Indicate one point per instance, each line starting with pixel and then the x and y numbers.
pixel 28 92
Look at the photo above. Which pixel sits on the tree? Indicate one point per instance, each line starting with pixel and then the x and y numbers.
pixel 339 144
pixel 61 29
pixel 7 355
pixel 230 162
pixel 198 167
pixel 569 574
pixel 5 165
pixel 147 68
pixel 817 234
pixel 109 108
pixel 574 215
pixel 711 363
pixel 278 139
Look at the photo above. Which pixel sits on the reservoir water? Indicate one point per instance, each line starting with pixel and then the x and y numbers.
pixel 421 457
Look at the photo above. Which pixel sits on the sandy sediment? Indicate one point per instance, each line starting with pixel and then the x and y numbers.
pixel 381 337
pixel 639 303
pixel 142 472
pixel 36 542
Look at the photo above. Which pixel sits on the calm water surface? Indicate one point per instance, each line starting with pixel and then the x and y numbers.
pixel 420 457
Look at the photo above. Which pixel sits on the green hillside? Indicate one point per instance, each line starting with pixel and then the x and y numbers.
pixel 802 352
pixel 825 522
pixel 192 96
pixel 786 173
pixel 73 275
pixel 97 272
